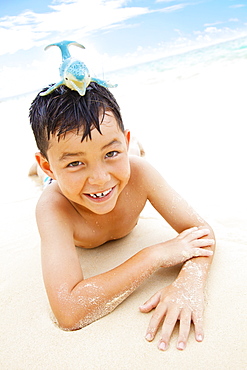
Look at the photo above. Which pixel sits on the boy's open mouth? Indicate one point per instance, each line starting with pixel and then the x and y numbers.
pixel 100 195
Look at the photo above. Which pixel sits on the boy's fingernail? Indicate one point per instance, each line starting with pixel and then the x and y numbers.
pixel 162 346
pixel 149 337
pixel 181 345
pixel 199 338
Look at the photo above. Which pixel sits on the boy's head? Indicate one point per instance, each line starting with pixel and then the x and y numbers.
pixel 65 110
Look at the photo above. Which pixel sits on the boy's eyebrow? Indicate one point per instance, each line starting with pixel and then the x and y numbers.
pixel 115 141
pixel 66 155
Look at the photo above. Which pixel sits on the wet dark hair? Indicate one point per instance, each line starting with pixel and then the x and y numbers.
pixel 65 110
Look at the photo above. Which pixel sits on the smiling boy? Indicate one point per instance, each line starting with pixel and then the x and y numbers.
pixel 98 194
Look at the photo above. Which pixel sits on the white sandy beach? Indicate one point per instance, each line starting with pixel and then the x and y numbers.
pixel 194 131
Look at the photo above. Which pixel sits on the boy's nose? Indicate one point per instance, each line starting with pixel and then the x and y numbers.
pixel 99 177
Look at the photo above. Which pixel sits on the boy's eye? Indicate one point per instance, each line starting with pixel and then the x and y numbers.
pixel 114 153
pixel 75 164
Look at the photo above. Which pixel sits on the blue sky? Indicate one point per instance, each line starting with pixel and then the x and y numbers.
pixel 114 32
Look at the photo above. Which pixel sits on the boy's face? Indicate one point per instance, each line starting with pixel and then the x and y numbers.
pixel 91 173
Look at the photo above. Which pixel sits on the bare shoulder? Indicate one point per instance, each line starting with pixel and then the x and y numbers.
pixel 53 209
pixel 156 188
pixel 51 199
pixel 140 166
pixel 142 170
pixel 171 206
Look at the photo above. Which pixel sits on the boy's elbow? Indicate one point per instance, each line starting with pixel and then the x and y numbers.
pixel 73 313
pixel 206 225
pixel 211 230
pixel 69 326
pixel 70 322
pixel 70 319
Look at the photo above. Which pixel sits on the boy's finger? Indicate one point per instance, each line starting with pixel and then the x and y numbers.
pixel 203 243
pixel 155 322
pixel 197 318
pixel 151 303
pixel 184 329
pixel 167 328
pixel 187 232
pixel 199 233
pixel 201 252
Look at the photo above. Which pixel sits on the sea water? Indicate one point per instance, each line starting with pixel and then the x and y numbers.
pixel 187 62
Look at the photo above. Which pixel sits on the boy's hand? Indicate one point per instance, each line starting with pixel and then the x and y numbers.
pixel 190 243
pixel 182 301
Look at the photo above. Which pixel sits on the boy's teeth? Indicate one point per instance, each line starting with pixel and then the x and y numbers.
pixel 100 195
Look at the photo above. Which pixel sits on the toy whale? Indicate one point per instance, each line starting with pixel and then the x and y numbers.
pixel 73 72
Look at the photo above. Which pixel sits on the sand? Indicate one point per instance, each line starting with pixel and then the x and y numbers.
pixel 202 153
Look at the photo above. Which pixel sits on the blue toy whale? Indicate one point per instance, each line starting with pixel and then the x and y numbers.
pixel 74 73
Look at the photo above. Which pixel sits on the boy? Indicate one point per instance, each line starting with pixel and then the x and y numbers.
pixel 97 194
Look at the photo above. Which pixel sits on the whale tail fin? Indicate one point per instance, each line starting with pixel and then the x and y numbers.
pixel 63 46
pixel 103 83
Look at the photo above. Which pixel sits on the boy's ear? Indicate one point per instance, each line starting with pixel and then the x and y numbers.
pixel 44 164
pixel 127 137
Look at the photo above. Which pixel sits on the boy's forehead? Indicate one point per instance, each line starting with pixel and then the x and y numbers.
pixel 108 119
pixel 109 128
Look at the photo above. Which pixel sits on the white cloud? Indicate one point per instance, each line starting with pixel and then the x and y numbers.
pixel 165 1
pixel 212 24
pixel 237 6
pixel 212 30
pixel 214 34
pixel 221 22
pixel 30 29
pixel 173 8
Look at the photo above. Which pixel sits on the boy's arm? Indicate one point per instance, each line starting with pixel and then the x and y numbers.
pixel 76 301
pixel 184 299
